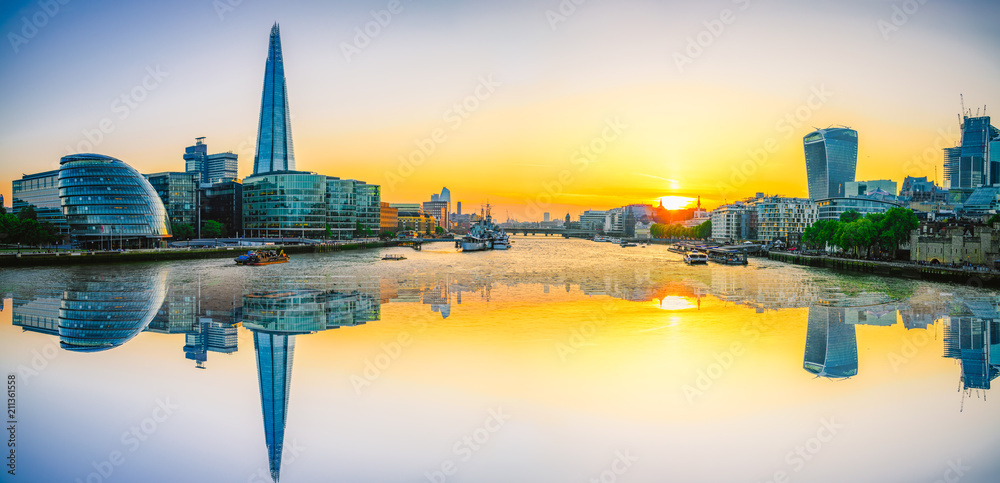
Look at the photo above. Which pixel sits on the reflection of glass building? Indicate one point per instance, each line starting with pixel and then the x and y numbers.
pixel 274 136
pixel 99 313
pixel 831 160
pixel 104 198
pixel 972 336
pixel 40 190
pixel 831 343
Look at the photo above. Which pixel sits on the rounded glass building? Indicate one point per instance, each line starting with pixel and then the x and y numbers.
pixel 107 202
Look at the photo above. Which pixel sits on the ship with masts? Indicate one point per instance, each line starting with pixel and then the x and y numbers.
pixel 485 235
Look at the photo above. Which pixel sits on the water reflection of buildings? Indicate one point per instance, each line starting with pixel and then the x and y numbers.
pixel 972 336
pixel 831 343
pixel 276 317
pixel 93 313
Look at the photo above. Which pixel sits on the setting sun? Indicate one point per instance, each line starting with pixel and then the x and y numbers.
pixel 675 202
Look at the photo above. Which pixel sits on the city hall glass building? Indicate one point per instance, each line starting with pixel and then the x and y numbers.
pixel 831 160
pixel 107 202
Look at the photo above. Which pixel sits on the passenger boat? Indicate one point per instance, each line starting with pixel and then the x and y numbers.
pixel 262 257
pixel 628 244
pixel 694 257
pixel 393 256
pixel 502 244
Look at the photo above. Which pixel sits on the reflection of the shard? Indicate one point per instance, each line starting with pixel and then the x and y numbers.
pixel 92 313
pixel 276 315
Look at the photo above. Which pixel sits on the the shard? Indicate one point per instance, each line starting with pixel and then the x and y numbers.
pixel 274 135
pixel 274 371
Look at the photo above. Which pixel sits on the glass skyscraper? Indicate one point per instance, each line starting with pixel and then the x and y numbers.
pixel 108 201
pixel 831 161
pixel 179 194
pixel 274 136
pixel 972 164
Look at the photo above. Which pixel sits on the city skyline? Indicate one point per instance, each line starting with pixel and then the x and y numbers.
pixel 649 96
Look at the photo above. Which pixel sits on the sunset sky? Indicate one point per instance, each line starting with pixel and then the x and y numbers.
pixel 667 116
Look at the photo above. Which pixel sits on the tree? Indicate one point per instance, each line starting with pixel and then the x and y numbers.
pixel 3 210
pixel 212 229
pixel 28 213
pixel 439 230
pixel 183 231
pixel 849 216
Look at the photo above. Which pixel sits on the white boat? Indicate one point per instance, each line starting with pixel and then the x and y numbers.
pixel 694 257
pixel 501 244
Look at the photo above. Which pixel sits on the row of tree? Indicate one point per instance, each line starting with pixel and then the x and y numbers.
pixel 209 229
pixel 876 235
pixel 660 230
pixel 25 229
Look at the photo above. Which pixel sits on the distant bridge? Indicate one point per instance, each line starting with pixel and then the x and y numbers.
pixel 552 232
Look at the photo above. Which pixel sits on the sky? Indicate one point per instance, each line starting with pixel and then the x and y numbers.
pixel 531 106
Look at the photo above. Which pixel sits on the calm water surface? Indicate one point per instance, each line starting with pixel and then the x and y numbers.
pixel 556 361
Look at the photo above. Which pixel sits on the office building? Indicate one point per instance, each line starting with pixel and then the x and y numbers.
pixel 778 217
pixel 179 194
pixel 832 208
pixel 40 190
pixel 440 210
pixel 592 220
pixel 223 202
pixel 736 221
pixel 274 135
pixel 831 160
pixel 952 174
pixel 920 190
pixel 108 201
pixel 285 204
pixel 869 188
pixel 971 164
pixel 211 168
pixel 368 198
pixel 342 208
pixel 388 218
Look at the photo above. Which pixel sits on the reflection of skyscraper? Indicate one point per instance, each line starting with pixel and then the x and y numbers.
pixel 831 161
pixel 274 135
pixel 274 373
pixel 975 341
pixel 831 343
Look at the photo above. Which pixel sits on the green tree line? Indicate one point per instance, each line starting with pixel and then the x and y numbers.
pixel 873 235
pixel 661 230
pixel 25 229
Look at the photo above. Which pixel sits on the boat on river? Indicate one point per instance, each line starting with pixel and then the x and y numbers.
pixel 262 257
pixel 694 257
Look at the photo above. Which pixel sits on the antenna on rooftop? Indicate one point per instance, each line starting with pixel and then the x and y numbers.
pixel 962 99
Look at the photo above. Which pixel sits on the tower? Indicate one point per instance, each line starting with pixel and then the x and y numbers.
pixel 831 160
pixel 274 135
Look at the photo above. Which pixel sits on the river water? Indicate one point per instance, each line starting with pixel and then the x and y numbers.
pixel 556 361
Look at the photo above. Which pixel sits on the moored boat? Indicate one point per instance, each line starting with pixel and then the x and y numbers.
pixel 262 257
pixel 694 257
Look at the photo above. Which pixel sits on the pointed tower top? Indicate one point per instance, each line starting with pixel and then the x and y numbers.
pixel 274 134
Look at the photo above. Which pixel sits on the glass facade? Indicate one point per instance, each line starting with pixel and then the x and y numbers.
pixel 100 313
pixel 40 190
pixel 285 204
pixel 221 167
pixel 831 160
pixel 832 208
pixel 195 158
pixel 952 176
pixel 831 344
pixel 274 135
pixel 342 208
pixel 369 202
pixel 179 194
pixel 107 201
pixel 223 202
